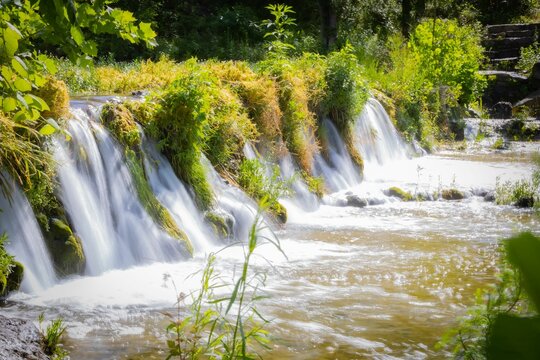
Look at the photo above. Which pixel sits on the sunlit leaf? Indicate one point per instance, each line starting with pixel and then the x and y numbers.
pixel 47 129
pixel 9 104
pixel 22 85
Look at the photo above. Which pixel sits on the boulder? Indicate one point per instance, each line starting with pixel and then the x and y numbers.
pixel 531 103
pixel 504 86
pixel 452 194
pixel 490 196
pixel 525 202
pixel 501 110
pixel 20 339
pixel 356 201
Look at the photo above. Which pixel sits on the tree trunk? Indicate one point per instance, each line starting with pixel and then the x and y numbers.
pixel 328 23
pixel 406 8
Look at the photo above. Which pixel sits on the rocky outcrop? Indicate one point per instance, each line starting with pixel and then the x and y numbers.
pixel 20 339
pixel 504 86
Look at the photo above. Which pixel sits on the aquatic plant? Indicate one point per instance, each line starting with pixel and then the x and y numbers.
pixel 11 271
pixel 223 326
pixel 52 337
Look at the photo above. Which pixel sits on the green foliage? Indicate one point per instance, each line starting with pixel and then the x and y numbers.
pixel 529 56
pixel 225 327
pixel 180 125
pixel 6 264
pixel 259 184
pixel 52 337
pixel 119 120
pixel 522 193
pixel 347 92
pixel 20 155
pixel 449 55
pixel 29 22
pixel 278 29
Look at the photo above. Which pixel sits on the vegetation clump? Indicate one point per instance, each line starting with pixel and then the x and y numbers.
pixel 262 184
pixel 11 271
pixel 119 120
pixel 400 194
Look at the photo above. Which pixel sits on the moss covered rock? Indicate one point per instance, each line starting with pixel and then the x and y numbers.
pixel 119 120
pixel 279 212
pixel 221 223
pixel 452 194
pixel 399 193
pixel 66 247
pixel 55 93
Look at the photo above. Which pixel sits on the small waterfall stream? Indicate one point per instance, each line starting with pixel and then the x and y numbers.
pixel 25 241
pixel 98 193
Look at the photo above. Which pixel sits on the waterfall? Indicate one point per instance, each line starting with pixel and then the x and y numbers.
pixel 172 193
pixel 339 172
pixel 377 139
pixel 25 241
pixel 98 194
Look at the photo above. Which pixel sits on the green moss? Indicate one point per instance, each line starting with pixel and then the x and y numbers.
pixel 66 248
pixel 119 120
pixel 279 211
pixel 221 227
pixel 452 194
pixel 154 208
pixel 399 193
pixel 315 183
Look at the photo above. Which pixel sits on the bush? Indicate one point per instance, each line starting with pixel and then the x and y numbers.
pixel 7 267
pixel 52 337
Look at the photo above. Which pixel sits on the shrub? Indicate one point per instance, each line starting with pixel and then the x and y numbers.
pixel 7 264
pixel 529 56
pixel 258 93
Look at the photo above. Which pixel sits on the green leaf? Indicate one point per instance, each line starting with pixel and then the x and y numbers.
pixel 37 102
pixel 524 252
pixel 9 104
pixel 77 35
pixel 19 66
pixel 47 129
pixel 514 338
pixel 11 42
pixel 22 85
pixel 22 101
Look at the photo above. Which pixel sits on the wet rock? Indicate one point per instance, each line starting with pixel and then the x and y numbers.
pixel 20 339
pixel 139 93
pixel 501 110
pixel 490 196
pixel 452 194
pixel 356 201
pixel 530 104
pixel 221 222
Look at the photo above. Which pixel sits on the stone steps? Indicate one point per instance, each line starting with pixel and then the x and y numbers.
pixel 504 42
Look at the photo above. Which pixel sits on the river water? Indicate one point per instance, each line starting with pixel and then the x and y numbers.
pixel 383 281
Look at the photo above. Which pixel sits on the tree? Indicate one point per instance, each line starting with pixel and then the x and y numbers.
pixel 65 27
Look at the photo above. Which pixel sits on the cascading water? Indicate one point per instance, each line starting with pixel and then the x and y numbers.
pixel 339 172
pixel 172 193
pixel 99 196
pixel 25 241
pixel 377 139
pixel 232 201
pixel 301 198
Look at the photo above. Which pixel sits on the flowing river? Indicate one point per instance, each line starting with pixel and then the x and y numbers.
pixel 382 281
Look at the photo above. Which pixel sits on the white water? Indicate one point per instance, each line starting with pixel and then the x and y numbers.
pixel 377 139
pixel 25 241
pixel 99 196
